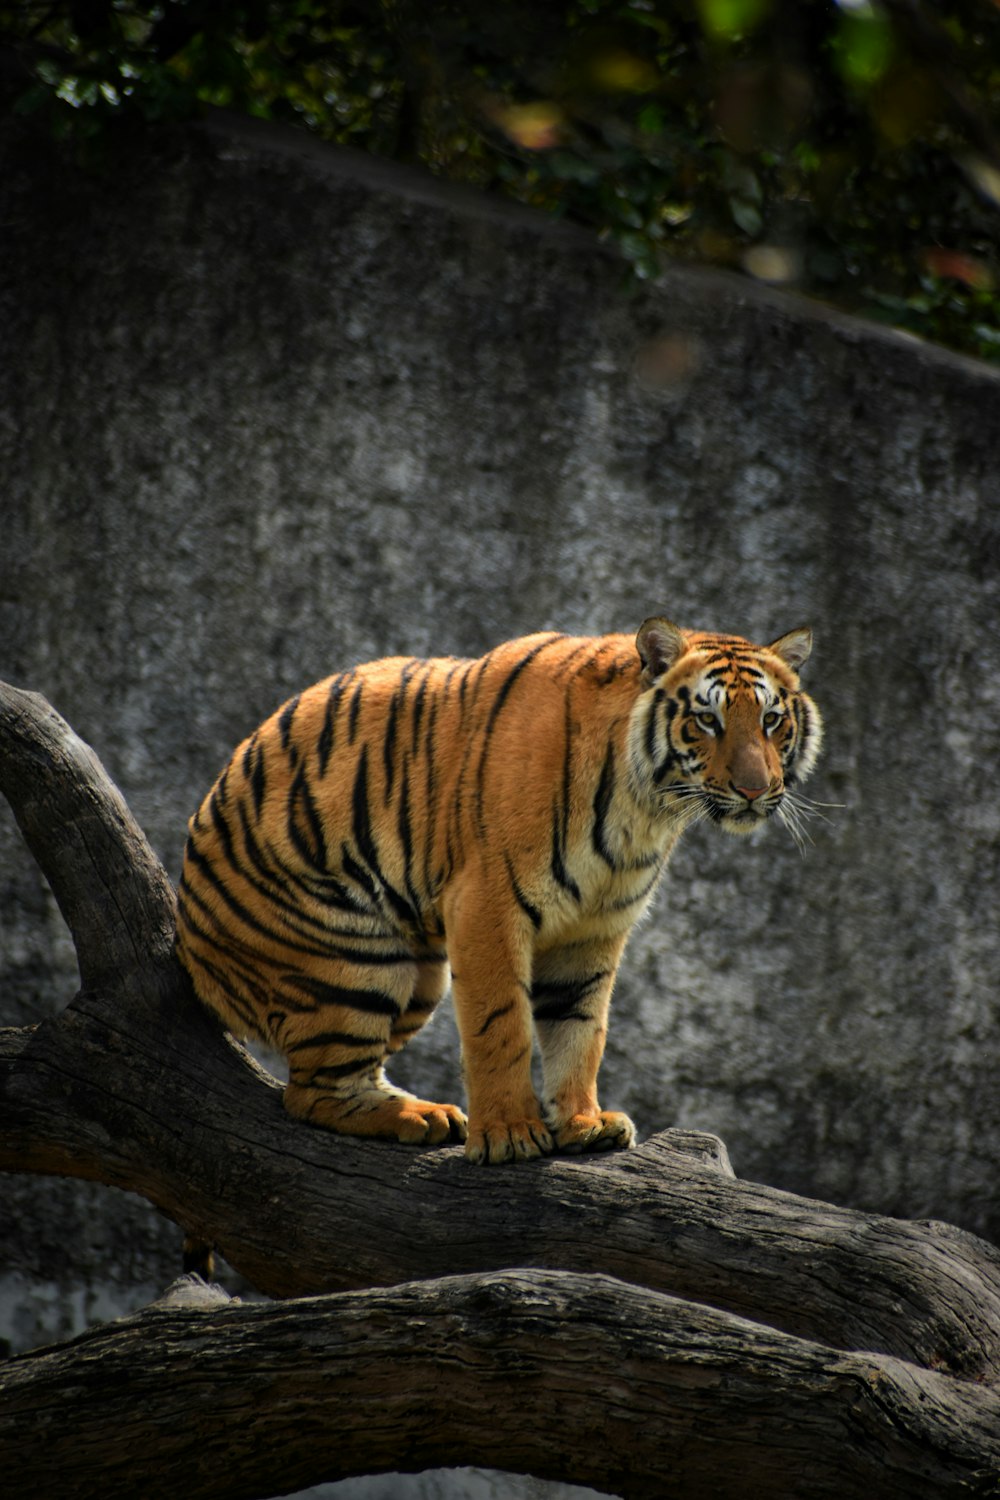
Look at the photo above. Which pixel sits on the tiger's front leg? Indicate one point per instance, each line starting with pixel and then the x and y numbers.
pixel 491 960
pixel 570 996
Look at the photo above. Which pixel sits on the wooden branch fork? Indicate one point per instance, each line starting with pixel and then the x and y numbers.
pixel 641 1322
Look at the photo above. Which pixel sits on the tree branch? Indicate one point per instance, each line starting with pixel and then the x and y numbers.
pixel 111 889
pixel 565 1376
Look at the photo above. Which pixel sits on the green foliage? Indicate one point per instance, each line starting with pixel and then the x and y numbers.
pixel 843 148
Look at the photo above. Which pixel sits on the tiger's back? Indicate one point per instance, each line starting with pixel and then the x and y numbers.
pixel 506 818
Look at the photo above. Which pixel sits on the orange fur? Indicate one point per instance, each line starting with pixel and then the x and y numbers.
pixel 499 824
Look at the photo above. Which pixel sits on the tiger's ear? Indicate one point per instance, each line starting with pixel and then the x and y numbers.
pixel 794 648
pixel 659 644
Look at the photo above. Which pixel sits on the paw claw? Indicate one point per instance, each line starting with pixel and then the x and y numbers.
pixel 445 1122
pixel 517 1140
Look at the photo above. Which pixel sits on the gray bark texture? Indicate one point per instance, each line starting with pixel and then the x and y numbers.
pixel 268 409
pixel 643 1323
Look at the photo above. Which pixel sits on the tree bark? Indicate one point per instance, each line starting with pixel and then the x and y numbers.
pixel 640 1322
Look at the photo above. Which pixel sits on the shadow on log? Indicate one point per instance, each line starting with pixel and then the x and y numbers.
pixel 643 1323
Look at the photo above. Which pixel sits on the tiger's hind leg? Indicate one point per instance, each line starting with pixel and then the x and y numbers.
pixel 570 996
pixel 335 1026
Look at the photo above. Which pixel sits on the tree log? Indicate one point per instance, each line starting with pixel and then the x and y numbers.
pixel 582 1378
pixel 725 1336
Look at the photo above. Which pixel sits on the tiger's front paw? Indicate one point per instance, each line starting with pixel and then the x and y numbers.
pixel 602 1131
pixel 507 1140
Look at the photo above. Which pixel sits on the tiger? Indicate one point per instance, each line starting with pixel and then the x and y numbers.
pixel 495 827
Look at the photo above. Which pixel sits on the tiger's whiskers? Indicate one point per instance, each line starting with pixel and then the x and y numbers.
pixel 690 794
pixel 797 810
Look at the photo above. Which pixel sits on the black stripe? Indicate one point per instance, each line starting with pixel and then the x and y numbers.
pixel 561 813
pixel 367 1103
pixel 305 827
pixel 420 1006
pixel 369 1002
pixel 801 716
pixel 624 902
pixel 526 906
pixel 658 699
pixel 360 815
pixel 670 759
pixel 333 1039
pixel 285 718
pixel 352 722
pixel 258 781
pixel 459 666
pixel 361 958
pixel 494 1015
pixel 602 805
pixel 474 677
pixel 448 868
pixel 396 706
pixel 327 735
pixel 430 793
pixel 338 1070
pixel 502 694
pixel 332 893
pixel 559 872
pixel 567 771
pixel 463 685
pixel 406 836
pixel 419 700
pixel 358 874
pixel 803 721
pixel 616 668
pixel 389 743
pixel 219 822
pixel 558 999
pixel 364 839
pixel 248 755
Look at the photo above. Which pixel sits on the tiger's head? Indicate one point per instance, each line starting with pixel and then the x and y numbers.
pixel 724 729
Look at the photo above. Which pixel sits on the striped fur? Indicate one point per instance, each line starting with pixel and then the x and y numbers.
pixel 497 826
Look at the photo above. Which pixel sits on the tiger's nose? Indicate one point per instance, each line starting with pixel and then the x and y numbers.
pixel 752 792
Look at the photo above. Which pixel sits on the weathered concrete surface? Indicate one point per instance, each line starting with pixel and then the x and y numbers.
pixel 267 409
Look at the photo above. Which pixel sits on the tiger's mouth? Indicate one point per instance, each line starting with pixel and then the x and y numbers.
pixel 742 817
pixel 728 810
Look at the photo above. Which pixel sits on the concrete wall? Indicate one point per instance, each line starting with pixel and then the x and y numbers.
pixel 267 409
